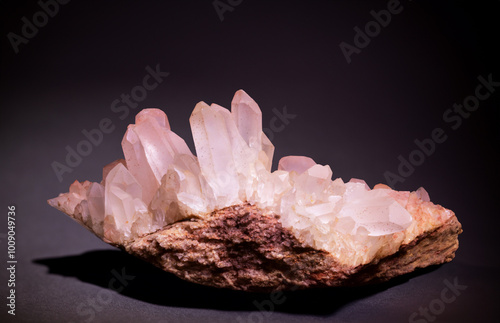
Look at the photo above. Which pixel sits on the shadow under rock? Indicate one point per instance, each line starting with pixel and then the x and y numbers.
pixel 152 285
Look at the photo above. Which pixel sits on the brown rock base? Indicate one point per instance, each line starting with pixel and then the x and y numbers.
pixel 242 248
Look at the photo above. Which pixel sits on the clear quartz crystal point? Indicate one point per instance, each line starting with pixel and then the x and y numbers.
pixel 214 148
pixel 248 119
pixel 150 147
pixel 95 198
pixel 126 214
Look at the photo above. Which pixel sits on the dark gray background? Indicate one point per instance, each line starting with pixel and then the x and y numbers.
pixel 356 117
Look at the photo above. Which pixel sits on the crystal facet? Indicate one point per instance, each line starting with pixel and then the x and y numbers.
pixel 160 182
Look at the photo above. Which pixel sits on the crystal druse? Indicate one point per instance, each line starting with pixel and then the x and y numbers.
pixel 223 218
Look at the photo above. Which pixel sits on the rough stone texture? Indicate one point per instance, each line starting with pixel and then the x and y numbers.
pixel 242 248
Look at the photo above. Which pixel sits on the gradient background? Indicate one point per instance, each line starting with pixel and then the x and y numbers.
pixel 357 117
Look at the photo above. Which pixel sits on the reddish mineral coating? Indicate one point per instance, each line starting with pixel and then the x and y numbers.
pixel 240 247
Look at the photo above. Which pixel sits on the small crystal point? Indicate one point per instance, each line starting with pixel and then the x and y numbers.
pixel 423 195
pixel 123 202
pixel 95 198
pixel 150 147
pixel 298 164
pixel 106 169
pixel 248 119
pixel 157 114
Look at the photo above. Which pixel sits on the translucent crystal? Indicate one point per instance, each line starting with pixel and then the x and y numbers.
pixel 248 119
pixel 161 182
pixel 212 134
pixel 150 147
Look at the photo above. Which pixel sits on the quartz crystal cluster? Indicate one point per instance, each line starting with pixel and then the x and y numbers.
pixel 161 183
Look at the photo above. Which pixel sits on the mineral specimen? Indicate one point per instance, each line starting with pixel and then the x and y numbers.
pixel 222 218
